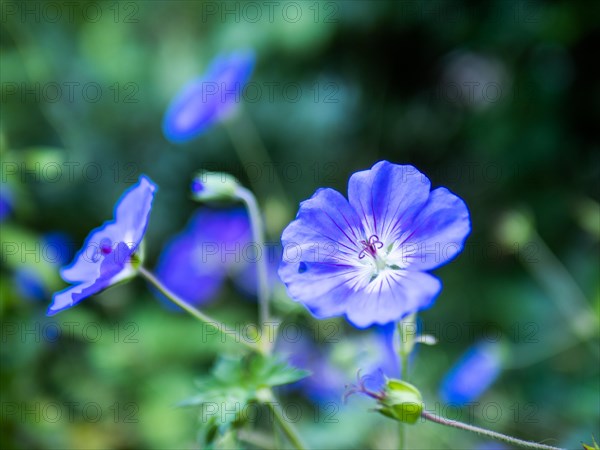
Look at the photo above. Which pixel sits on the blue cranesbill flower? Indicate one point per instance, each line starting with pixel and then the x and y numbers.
pixel 110 253
pixel 473 373
pixel 210 98
pixel 367 257
pixel 214 244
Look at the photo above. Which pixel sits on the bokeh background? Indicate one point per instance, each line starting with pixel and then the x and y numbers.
pixel 496 100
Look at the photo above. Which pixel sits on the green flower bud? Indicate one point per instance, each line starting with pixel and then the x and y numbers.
pixel 400 401
pixel 214 186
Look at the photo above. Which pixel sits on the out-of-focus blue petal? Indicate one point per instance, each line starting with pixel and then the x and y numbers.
pixel 472 374
pixel 6 202
pixel 438 233
pixel 182 270
pixel 328 378
pixel 387 363
pixel 387 197
pixel 74 294
pixel 58 248
pixel 214 243
pixel 133 211
pixel 29 285
pixel 210 98
pixel 87 261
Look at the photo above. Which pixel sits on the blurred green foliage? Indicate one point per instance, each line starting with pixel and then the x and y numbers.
pixel 496 100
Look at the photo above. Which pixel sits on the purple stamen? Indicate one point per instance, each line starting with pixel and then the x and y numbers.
pixel 370 246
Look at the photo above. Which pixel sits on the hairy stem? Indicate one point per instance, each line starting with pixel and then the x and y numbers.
pixel 194 312
pixel 251 151
pixel 487 433
pixel 287 428
pixel 256 224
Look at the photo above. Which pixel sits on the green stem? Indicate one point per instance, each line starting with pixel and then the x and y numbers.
pixel 404 376
pixel 554 277
pixel 486 433
pixel 401 443
pixel 251 150
pixel 256 224
pixel 194 312
pixel 404 369
pixel 287 428
pixel 406 335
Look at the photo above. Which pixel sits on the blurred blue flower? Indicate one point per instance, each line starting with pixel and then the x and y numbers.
pixel 106 255
pixel 58 247
pixel 6 202
pixel 326 382
pixel 56 251
pixel 334 365
pixel 209 98
pixel 367 257
pixel 214 244
pixel 387 363
pixel 29 284
pixel 472 374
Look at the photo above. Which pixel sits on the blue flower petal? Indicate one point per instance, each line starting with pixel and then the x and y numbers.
pixel 319 249
pixel 133 211
pixel 388 364
pixel 59 247
pixel 326 230
pixel 182 270
pixel 111 271
pixel 390 298
pixel 214 242
pixel 29 284
pixel 388 197
pixel 105 257
pixel 438 232
pixel 6 201
pixel 74 294
pixel 131 216
pixel 473 374
pixel 210 98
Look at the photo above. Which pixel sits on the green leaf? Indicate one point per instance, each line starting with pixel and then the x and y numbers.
pixel 273 372
pixel 235 382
